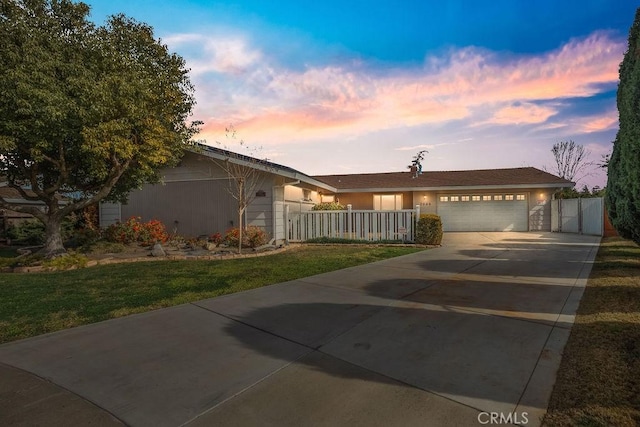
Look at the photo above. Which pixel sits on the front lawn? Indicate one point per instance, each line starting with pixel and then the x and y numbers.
pixel 598 382
pixel 36 303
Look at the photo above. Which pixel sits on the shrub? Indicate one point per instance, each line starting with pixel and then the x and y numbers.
pixel 132 230
pixel 255 236
pixel 429 230
pixel 83 237
pixel 251 237
pixel 29 232
pixel 328 206
pixel 216 238
pixel 71 260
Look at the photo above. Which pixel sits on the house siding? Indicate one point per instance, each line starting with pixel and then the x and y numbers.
pixel 192 208
pixel 109 213
pixel 260 212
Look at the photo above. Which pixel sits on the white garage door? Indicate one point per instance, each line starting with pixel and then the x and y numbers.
pixel 495 212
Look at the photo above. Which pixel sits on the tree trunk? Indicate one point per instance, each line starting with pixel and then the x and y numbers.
pixel 53 237
pixel 240 225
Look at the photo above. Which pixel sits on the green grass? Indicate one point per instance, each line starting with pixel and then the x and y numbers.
pixel 598 383
pixel 37 303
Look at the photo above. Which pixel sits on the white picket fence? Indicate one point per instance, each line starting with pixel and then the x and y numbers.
pixel 353 224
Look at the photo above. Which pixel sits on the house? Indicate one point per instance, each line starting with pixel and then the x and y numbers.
pixel 193 198
pixel 516 199
pixel 10 217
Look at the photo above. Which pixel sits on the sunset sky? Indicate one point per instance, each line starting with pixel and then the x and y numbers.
pixel 352 86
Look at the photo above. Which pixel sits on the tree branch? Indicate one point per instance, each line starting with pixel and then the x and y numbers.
pixel 115 175
pixel 31 210
pixel 23 192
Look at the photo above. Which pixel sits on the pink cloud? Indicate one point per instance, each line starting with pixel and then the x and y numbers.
pixel 600 123
pixel 526 113
pixel 267 101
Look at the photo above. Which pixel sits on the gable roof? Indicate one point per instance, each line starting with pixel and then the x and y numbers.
pixel 265 165
pixel 440 180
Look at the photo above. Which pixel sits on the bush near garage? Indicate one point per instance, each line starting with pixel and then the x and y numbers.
pixel 429 230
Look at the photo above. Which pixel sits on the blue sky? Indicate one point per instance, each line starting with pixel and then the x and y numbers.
pixel 354 86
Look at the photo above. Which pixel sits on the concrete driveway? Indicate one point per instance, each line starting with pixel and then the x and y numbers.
pixel 446 336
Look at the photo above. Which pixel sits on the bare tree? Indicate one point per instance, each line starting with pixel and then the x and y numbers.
pixel 572 160
pixel 246 174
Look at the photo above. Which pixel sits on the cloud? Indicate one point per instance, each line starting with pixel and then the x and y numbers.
pixel 525 113
pixel 600 122
pixel 272 102
pixel 218 54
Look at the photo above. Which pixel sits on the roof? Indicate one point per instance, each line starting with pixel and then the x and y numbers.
pixel 433 180
pixel 265 165
pixel 13 196
pixel 11 193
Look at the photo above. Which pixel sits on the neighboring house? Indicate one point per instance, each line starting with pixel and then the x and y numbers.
pixel 517 199
pixel 193 200
pixel 9 217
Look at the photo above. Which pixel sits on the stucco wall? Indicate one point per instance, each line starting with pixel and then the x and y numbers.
pixel 540 209
pixel 364 201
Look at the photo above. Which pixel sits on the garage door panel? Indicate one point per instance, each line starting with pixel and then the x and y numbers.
pixel 505 215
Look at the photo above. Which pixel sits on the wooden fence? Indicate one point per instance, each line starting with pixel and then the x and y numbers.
pixel 353 224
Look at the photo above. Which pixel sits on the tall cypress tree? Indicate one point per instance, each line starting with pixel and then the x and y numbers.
pixel 623 187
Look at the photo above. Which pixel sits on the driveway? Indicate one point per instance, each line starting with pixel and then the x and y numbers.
pixel 440 337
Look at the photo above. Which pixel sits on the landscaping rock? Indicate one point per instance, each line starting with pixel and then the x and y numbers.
pixel 210 246
pixel 158 251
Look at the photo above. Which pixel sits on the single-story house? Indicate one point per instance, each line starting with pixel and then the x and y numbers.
pixel 193 198
pixel 516 199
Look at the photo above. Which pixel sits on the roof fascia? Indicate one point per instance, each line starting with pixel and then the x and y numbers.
pixel 453 188
pixel 269 168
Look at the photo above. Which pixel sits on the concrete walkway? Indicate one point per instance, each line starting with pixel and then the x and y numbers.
pixel 433 338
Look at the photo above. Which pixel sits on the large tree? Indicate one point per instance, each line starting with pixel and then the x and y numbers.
pixel 86 112
pixel 623 186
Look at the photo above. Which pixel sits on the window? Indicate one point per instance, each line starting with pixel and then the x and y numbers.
pixel 464 198
pixel 520 197
pixel 475 198
pixel 508 197
pixel 455 198
pixel 486 198
pixel 387 202
pixel 497 197
pixel 444 198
